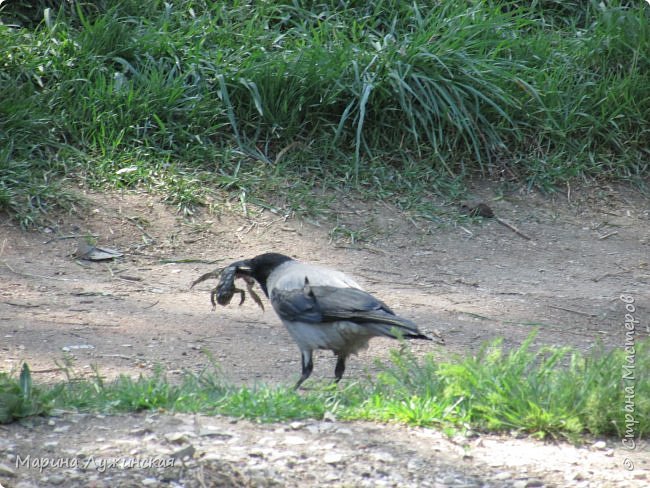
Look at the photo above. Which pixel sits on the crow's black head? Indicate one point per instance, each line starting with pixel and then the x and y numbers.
pixel 260 267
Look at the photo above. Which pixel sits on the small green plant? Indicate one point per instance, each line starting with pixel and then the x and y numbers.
pixel 19 398
pixel 551 392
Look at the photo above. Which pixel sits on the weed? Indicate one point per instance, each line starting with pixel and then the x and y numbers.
pixel 396 100
pixel 554 391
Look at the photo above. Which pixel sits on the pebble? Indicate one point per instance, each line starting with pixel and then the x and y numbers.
pixel 184 452
pixel 294 440
pixel 313 429
pixel 149 481
pixel 449 480
pixel 382 456
pixel 24 484
pixel 212 456
pixel 56 479
pixel 503 475
pixel 178 437
pixel 332 457
pixel 577 476
pixel 329 417
pixel 599 445
pixel 533 483
pixel 6 470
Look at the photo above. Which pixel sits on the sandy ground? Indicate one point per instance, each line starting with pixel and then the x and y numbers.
pixel 469 284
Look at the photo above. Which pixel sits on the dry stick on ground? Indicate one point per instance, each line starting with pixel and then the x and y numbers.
pixel 152 305
pixel 30 275
pixel 586 314
pixel 23 305
pixel 49 370
pixel 610 234
pixel 512 228
pixel 483 210
pixel 134 221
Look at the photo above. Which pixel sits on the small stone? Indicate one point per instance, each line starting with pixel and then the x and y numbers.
pixel 72 474
pixel 294 440
pixel 599 445
pixel 344 431
pixel 333 457
pixel 313 429
pixel 578 476
pixel 296 425
pixel 533 483
pixel 56 479
pixel 503 475
pixel 149 481
pixel 184 452
pixel 520 484
pixel 382 456
pixel 329 417
pixel 212 456
pixel 177 437
pixel 6 470
pixel 61 429
pixel 24 484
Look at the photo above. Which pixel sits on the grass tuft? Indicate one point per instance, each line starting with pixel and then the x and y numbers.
pixel 340 94
pixel 551 392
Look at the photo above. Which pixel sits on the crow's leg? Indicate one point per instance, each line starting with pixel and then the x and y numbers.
pixel 307 367
pixel 340 367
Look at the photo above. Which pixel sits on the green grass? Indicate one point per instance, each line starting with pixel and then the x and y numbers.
pixel 404 99
pixel 553 391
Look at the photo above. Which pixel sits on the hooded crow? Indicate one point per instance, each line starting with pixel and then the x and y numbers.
pixel 323 308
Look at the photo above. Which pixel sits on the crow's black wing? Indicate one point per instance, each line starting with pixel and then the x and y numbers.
pixel 295 305
pixel 322 304
pixel 326 304
pixel 348 303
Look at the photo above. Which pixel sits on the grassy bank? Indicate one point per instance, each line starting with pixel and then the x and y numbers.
pixel 400 99
pixel 553 392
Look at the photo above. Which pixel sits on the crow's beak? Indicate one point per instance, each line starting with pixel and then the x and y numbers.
pixel 243 267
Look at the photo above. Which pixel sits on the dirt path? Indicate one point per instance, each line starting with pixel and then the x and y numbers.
pixel 471 284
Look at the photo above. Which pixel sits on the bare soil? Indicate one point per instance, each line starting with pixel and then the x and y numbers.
pixel 467 283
